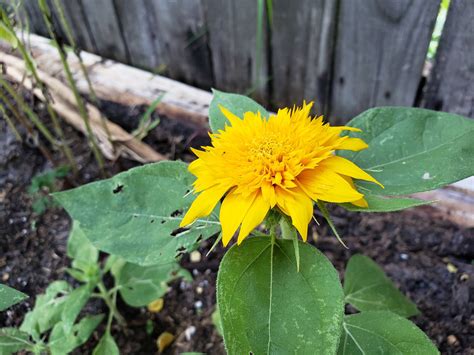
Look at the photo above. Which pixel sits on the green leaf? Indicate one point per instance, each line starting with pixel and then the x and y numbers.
pixel 48 309
pixel 84 257
pixel 7 35
pixel 384 204
pixel 267 307
pixel 106 346
pixel 74 303
pixel 140 285
pixel 9 296
pixel 62 341
pixel 383 332
pixel 13 340
pixel 367 288
pixel 217 321
pixel 237 104
pixel 412 149
pixel 136 214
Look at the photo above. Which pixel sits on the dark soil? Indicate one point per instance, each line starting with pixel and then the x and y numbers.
pixel 414 248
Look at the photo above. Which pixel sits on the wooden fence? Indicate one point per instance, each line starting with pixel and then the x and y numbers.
pixel 347 55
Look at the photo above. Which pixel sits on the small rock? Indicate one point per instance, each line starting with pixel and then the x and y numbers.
pixel 195 256
pixel 198 304
pixel 452 340
pixel 164 340
pixel 5 277
pixel 451 268
pixel 464 277
pixel 199 290
pixel 404 256
pixel 156 305
pixel 189 332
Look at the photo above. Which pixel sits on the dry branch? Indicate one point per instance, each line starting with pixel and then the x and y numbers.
pixel 64 104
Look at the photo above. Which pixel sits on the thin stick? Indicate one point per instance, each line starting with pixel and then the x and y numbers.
pixel 25 123
pixel 10 123
pixel 72 84
pixel 32 68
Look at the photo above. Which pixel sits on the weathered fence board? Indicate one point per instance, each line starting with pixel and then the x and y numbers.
pixel 106 29
pixel 451 83
pixel 236 64
pixel 346 55
pixel 302 45
pixel 138 33
pixel 79 24
pixel 182 37
pixel 380 51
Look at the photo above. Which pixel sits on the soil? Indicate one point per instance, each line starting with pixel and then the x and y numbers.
pixel 417 249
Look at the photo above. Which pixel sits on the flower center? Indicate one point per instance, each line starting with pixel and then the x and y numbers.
pixel 269 156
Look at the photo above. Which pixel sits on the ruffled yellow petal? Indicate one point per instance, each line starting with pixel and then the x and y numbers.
pixel 233 119
pixel 354 144
pixel 326 185
pixel 298 206
pixel 203 204
pixel 255 215
pixel 346 167
pixel 233 210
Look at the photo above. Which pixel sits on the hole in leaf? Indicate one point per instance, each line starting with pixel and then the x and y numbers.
pixel 118 189
pixel 178 231
pixel 152 221
pixel 177 213
pixel 162 221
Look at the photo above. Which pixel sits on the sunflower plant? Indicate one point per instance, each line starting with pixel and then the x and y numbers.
pixel 256 185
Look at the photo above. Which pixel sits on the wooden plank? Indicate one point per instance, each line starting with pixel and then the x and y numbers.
pixel 451 83
pixel 302 47
pixel 104 25
pixel 35 17
pixel 380 52
pixel 181 41
pixel 232 29
pixel 79 24
pixel 139 33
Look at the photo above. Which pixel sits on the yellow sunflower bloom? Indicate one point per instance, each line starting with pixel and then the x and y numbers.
pixel 285 161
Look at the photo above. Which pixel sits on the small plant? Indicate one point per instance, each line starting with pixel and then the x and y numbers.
pixel 52 326
pixel 44 184
pixel 276 293
pixel 146 123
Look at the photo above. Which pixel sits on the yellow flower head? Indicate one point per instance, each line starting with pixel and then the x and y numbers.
pixel 285 161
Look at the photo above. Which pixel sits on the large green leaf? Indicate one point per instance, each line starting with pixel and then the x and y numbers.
pixel 383 204
pixel 367 288
pixel 13 340
pixel 268 307
pixel 237 104
pixel 136 214
pixel 140 285
pixel 9 296
pixel 412 149
pixel 383 332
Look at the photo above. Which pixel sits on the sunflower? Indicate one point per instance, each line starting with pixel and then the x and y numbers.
pixel 284 162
